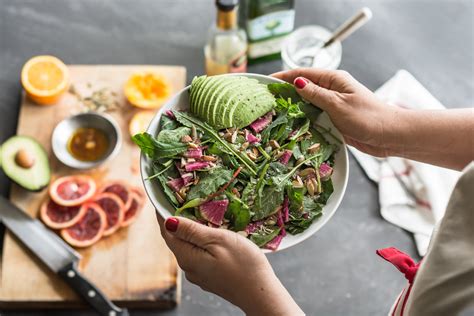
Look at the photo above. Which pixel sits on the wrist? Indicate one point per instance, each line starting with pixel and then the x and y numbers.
pixel 268 296
pixel 396 130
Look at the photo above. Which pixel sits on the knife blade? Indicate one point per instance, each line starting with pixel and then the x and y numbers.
pixel 55 254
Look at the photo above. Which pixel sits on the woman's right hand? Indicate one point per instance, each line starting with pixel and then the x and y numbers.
pixel 365 122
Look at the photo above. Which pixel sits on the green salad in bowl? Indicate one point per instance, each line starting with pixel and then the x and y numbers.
pixel 245 154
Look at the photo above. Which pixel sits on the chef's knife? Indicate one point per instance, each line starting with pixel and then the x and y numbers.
pixel 57 255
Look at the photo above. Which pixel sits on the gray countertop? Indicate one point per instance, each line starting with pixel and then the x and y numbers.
pixel 336 272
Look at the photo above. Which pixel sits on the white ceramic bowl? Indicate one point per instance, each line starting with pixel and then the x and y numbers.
pixel 341 167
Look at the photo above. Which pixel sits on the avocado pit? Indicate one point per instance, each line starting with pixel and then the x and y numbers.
pixel 24 159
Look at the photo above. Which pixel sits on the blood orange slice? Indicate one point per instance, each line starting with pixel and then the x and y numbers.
pixel 58 216
pixel 114 209
pixel 119 188
pixel 89 229
pixel 72 190
pixel 136 206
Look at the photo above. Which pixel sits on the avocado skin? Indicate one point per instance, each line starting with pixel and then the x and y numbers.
pixel 34 179
pixel 244 100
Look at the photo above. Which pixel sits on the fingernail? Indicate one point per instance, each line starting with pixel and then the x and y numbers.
pixel 300 82
pixel 171 224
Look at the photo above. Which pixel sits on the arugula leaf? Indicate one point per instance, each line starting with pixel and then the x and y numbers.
pixel 168 192
pixel 239 213
pixel 189 120
pixel 328 189
pixel 286 90
pixel 280 120
pixel 281 180
pixel 293 109
pixel 267 202
pixel 209 183
pixel 190 204
pixel 261 238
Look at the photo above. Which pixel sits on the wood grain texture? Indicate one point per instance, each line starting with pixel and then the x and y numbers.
pixel 133 266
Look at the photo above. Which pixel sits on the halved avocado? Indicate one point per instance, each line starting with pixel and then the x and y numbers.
pixel 25 162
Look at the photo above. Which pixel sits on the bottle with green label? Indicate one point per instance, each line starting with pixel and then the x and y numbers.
pixel 267 22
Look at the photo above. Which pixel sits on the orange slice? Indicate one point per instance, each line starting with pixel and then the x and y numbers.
pixel 45 79
pixel 147 90
pixel 140 121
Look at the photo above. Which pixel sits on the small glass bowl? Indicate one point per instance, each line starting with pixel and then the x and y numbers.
pixel 297 48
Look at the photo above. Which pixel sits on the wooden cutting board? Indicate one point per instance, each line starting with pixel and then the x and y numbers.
pixel 133 266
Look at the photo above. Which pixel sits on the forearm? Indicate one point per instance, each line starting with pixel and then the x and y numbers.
pixel 269 297
pixel 439 137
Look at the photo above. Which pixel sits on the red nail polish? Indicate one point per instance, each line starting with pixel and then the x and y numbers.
pixel 171 224
pixel 300 82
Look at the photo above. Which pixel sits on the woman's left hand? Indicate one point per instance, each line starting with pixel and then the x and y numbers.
pixel 229 265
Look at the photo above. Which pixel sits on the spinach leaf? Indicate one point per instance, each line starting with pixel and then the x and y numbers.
pixel 267 201
pixel 261 238
pixel 167 123
pixel 295 197
pixel 300 224
pixel 167 144
pixel 209 183
pixel 328 189
pixel 285 91
pixel 311 112
pixel 310 205
pixel 239 213
pixel 248 193
pixel 276 168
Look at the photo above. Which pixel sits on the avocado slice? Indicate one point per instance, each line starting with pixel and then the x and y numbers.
pixel 195 84
pixel 233 97
pixel 211 90
pixel 202 94
pixel 215 103
pixel 25 162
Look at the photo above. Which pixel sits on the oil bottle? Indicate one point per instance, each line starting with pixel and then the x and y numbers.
pixel 267 22
pixel 226 48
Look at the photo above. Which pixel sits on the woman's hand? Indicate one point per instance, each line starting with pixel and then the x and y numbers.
pixel 229 265
pixel 439 137
pixel 365 122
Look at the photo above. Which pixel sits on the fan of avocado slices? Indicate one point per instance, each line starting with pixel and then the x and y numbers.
pixel 25 162
pixel 247 157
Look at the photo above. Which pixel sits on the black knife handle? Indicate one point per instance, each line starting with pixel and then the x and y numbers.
pixel 89 292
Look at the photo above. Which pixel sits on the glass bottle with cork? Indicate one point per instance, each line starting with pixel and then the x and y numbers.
pixel 226 48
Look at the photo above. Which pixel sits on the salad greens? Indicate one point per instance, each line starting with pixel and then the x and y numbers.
pixel 264 180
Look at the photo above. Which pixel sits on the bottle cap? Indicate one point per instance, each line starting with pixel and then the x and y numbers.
pixel 227 5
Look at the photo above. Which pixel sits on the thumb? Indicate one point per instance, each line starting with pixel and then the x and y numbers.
pixel 192 232
pixel 317 95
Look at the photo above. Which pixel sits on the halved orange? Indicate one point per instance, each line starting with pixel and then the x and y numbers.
pixel 45 79
pixel 147 90
pixel 140 122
